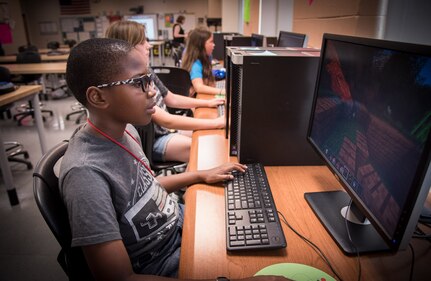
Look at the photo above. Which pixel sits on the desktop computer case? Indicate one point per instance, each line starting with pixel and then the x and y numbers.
pixel 270 92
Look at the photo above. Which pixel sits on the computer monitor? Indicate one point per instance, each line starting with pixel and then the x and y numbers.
pixel 216 22
pixel 256 40
pixel 240 41
pixel 150 23
pixel 291 39
pixel 370 122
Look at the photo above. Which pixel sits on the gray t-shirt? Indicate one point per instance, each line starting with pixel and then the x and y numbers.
pixel 110 195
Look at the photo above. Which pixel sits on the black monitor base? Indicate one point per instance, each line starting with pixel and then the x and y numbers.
pixel 327 207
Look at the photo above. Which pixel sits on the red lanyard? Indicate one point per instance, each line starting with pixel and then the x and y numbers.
pixel 120 145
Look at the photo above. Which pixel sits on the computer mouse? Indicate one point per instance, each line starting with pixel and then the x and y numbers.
pixel 296 272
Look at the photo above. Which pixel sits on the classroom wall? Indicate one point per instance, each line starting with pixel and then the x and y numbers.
pixel 49 10
pixel 252 26
pixel 354 17
pixel 276 15
pixel 13 11
pixel 401 20
pixel 409 21
pixel 231 11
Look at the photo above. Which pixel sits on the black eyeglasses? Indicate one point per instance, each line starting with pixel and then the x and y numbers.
pixel 145 82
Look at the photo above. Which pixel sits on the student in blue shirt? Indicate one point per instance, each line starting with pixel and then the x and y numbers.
pixel 197 60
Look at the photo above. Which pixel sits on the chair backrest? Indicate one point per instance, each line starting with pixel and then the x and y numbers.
pixel 51 206
pixel 26 48
pixel 176 79
pixel 29 57
pixel 70 42
pixel 54 45
pixel 4 74
pixel 147 135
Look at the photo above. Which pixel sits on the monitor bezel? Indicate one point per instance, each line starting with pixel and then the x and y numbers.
pixel 259 37
pixel 422 179
pixel 152 17
pixel 304 38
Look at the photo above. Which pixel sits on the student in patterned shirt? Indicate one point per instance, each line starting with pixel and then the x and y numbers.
pixel 120 215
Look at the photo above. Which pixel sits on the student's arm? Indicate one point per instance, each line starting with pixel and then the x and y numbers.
pixel 178 101
pixel 201 88
pixel 179 122
pixel 218 174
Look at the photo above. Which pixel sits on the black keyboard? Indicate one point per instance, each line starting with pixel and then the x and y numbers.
pixel 251 216
pixel 220 110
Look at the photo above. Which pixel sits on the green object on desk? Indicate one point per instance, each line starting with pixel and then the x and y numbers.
pixel 296 272
pixel 220 96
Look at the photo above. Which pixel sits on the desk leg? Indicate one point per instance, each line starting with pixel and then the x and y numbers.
pixel 159 47
pixel 43 83
pixel 163 54
pixel 7 175
pixel 39 123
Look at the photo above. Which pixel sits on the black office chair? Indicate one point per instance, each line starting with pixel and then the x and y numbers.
pixel 53 45
pixel 27 48
pixel 146 133
pixel 51 206
pixel 80 110
pixel 26 110
pixel 177 80
pixel 14 150
pixel 70 42
pixel 5 87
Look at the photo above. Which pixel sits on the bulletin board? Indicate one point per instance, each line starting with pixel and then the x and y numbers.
pixel 78 28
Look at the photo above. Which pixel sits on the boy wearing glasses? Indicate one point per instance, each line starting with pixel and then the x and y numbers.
pixel 120 215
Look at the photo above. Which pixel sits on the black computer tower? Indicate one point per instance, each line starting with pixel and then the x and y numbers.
pixel 270 93
pixel 220 40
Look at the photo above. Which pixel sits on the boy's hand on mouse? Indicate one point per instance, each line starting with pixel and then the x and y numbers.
pixel 222 173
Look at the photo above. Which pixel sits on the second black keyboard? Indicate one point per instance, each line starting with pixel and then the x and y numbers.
pixel 251 216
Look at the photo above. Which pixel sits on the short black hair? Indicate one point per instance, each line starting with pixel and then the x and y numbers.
pixel 94 62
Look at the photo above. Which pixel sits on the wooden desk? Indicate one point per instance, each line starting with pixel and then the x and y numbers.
pixel 44 57
pixel 46 50
pixel 203 251
pixel 37 68
pixel 21 92
pixel 161 48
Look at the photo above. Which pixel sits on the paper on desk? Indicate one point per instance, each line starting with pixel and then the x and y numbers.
pixel 266 53
pixel 211 151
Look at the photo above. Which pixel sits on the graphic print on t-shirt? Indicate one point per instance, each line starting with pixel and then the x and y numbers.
pixel 153 212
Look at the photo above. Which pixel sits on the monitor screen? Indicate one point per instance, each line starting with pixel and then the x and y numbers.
pixel 256 40
pixel 240 41
pixel 291 39
pixel 150 23
pixel 370 123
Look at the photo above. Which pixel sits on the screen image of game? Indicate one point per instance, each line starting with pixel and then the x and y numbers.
pixel 369 118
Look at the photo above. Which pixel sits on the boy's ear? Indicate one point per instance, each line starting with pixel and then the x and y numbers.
pixel 96 97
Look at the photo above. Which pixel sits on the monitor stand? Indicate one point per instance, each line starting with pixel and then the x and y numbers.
pixel 327 206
